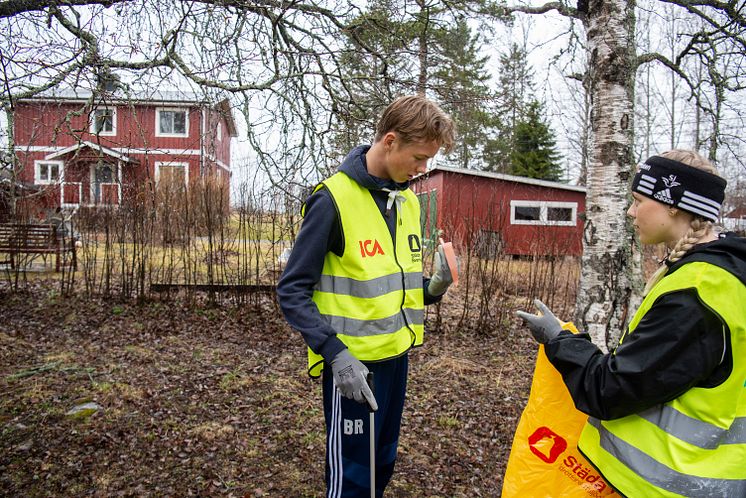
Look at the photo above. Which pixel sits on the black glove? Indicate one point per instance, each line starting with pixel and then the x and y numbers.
pixel 350 377
pixel 544 326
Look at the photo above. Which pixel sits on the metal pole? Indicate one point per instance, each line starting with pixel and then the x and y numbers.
pixel 372 427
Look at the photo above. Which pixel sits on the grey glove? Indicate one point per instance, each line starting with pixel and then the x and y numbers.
pixel 544 326
pixel 441 278
pixel 350 378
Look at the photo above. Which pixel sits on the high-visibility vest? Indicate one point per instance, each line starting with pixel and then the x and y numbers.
pixel 372 295
pixel 694 445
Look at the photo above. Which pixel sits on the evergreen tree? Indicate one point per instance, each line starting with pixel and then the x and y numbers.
pixel 535 154
pixel 515 92
pixel 461 82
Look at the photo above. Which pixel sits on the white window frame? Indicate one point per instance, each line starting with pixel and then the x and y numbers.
pixel 171 164
pixel 113 131
pixel 38 180
pixel 219 132
pixel 543 212
pixel 115 169
pixel 159 110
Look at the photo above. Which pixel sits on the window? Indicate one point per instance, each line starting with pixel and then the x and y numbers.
pixel 171 123
pixel 104 122
pixel 47 172
pixel 559 214
pixel 102 175
pixel 543 213
pixel 219 132
pixel 172 175
pixel 527 213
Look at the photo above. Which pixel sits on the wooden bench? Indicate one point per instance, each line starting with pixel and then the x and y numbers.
pixel 27 238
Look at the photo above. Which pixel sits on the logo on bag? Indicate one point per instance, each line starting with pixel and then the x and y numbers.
pixel 370 247
pixel 546 444
pixel 584 474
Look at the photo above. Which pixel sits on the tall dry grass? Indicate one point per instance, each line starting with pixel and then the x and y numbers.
pixel 172 237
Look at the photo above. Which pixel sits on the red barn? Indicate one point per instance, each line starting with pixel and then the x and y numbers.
pixel 493 214
pixel 91 150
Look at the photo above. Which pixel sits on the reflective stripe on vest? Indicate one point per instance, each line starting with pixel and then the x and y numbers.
pixel 372 295
pixel 386 325
pixel 669 481
pixel 694 445
pixel 371 288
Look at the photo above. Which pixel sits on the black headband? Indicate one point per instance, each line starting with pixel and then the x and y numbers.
pixel 680 185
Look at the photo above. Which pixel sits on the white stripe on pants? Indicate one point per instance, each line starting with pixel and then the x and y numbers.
pixel 335 447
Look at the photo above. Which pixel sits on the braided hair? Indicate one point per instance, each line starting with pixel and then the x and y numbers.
pixel 699 227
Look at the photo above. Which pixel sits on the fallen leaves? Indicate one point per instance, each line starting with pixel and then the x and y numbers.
pixel 205 401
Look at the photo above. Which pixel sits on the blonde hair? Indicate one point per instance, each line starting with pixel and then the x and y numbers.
pixel 698 228
pixel 417 119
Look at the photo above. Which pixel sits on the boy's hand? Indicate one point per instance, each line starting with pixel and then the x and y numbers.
pixel 350 378
pixel 441 278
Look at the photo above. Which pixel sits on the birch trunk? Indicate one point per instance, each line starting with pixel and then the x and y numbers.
pixel 610 265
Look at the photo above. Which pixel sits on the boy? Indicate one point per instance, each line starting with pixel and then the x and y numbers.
pixel 353 288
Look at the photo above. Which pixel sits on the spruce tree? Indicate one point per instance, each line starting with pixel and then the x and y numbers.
pixel 535 154
pixel 514 92
pixel 461 82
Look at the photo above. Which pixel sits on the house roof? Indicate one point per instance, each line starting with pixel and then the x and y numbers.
pixel 84 143
pixel 507 178
pixel 130 96
pixel 738 213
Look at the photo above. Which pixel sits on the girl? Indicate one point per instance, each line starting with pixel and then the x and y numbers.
pixel 667 407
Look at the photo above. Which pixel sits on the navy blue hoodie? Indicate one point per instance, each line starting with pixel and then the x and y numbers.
pixel 320 233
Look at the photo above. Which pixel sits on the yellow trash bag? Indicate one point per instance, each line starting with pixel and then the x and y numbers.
pixel 544 459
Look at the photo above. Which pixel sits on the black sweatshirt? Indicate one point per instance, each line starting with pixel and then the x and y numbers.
pixel 678 344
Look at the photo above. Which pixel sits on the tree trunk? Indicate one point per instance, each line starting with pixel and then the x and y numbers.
pixel 610 265
pixel 12 161
pixel 422 47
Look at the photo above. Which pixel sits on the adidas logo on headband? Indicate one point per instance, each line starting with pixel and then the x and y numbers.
pixel 680 185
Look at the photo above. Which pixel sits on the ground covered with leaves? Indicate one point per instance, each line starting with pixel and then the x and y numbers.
pixel 214 401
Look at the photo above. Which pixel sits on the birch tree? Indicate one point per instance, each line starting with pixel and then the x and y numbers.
pixel 610 273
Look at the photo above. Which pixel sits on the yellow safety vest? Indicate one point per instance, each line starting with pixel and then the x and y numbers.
pixel 694 445
pixel 372 296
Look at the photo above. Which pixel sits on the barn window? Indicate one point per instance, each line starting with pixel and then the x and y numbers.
pixel 543 213
pixel 171 123
pixel 47 172
pixel 559 214
pixel 527 213
pixel 104 122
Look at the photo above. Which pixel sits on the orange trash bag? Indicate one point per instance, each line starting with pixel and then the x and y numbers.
pixel 544 459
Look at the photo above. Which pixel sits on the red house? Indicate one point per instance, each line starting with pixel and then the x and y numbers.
pixel 92 150
pixel 493 213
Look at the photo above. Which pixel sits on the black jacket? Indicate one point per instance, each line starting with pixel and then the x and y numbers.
pixel 678 344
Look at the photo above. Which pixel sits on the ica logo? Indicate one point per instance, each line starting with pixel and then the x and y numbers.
pixel 370 247
pixel 546 444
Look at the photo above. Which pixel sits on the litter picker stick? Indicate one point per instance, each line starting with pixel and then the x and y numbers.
pixel 372 427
